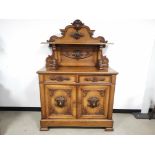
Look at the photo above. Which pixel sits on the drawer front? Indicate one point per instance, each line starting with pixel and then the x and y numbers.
pixel 93 101
pixel 60 78
pixel 94 78
pixel 60 101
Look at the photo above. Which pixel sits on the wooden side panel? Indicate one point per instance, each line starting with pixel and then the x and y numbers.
pixel 111 99
pixel 60 101
pixel 93 101
pixel 42 97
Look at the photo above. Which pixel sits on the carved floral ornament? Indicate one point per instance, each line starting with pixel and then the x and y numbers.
pixel 77 54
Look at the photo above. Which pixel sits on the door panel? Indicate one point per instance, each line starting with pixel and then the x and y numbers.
pixel 93 101
pixel 60 101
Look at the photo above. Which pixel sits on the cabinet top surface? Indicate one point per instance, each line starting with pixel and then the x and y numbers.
pixel 74 70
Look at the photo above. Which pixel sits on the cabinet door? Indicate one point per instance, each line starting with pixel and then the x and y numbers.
pixel 60 101
pixel 93 101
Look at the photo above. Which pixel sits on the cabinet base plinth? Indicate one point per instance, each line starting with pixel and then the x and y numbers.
pixel 108 129
pixel 43 129
pixel 107 124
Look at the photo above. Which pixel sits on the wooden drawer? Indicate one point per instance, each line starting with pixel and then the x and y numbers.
pixel 94 78
pixel 60 78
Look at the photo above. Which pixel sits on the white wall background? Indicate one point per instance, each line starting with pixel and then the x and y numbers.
pixel 21 55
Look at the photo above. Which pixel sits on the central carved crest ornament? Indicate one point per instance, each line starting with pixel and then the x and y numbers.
pixel 77 26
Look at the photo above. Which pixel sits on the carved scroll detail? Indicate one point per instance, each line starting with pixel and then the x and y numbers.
pixel 68 91
pixel 51 92
pixel 102 92
pixel 84 92
pixel 103 63
pixel 51 62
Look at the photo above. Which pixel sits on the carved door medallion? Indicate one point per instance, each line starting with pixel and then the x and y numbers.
pixel 93 101
pixel 60 101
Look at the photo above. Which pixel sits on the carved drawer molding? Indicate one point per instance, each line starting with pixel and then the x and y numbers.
pixel 60 78
pixel 93 78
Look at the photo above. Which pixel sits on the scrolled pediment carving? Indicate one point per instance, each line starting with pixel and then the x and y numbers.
pixel 76 30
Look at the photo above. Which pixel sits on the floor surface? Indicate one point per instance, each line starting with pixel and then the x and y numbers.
pixel 27 123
